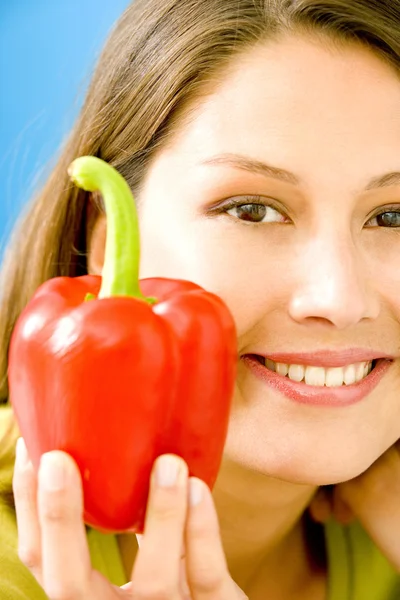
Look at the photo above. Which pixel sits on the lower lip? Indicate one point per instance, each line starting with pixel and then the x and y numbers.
pixel 302 393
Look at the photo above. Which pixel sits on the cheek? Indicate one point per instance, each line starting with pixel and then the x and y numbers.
pixel 222 260
pixel 381 252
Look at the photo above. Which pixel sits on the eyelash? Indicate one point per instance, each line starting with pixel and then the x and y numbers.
pixel 250 201
pixel 388 210
pixel 257 201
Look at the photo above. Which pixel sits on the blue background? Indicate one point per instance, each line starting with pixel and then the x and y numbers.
pixel 48 49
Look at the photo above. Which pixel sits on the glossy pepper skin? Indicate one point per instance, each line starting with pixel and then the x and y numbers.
pixel 116 374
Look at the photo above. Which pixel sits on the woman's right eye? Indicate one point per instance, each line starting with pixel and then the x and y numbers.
pixel 256 213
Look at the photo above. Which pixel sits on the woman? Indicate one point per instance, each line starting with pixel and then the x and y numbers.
pixel 262 141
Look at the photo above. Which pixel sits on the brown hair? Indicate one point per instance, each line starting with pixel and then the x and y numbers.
pixel 159 57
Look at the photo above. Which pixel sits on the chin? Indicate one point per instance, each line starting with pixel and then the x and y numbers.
pixel 299 457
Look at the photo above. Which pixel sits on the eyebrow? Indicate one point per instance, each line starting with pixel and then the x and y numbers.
pixel 258 167
pixel 254 166
pixel 384 181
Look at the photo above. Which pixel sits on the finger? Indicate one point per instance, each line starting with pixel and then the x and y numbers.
pixel 184 586
pixel 127 587
pixel 373 498
pixel 66 565
pixel 183 581
pixel 25 491
pixel 207 571
pixel 320 508
pixel 341 510
pixel 157 568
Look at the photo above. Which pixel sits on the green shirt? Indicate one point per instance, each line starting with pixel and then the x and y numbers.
pixel 357 570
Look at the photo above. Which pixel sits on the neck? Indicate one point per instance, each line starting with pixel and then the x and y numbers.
pixel 263 528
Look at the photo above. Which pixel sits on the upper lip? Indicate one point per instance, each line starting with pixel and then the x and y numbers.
pixel 326 358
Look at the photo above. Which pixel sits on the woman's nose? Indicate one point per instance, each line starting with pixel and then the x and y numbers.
pixel 332 285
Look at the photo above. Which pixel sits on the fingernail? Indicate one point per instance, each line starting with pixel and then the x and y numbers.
pixel 167 470
pixel 52 472
pixel 196 491
pixel 21 453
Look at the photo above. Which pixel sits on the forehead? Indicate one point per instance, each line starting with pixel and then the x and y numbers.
pixel 297 98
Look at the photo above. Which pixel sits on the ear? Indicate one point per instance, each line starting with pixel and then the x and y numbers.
pixel 96 238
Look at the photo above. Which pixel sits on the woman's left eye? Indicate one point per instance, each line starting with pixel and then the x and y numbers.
pixel 256 213
pixel 389 218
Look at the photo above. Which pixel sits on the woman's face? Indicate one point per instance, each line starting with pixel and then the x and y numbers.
pixel 279 194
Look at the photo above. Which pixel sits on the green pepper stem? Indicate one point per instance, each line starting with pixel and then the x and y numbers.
pixel 120 275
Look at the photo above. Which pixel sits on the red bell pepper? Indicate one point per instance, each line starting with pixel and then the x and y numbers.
pixel 116 371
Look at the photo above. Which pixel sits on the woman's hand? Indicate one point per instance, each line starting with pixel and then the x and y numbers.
pixel 180 517
pixel 373 498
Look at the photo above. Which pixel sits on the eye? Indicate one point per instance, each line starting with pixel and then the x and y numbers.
pixel 389 218
pixel 255 212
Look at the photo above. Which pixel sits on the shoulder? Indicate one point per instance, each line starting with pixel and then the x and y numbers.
pixel 8 439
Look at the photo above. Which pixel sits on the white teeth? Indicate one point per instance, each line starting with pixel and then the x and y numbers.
pixel 360 371
pixel 281 369
pixel 315 376
pixel 296 372
pixel 334 377
pixel 349 375
pixel 319 376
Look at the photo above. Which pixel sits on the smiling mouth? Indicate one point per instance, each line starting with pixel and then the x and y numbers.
pixel 332 377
